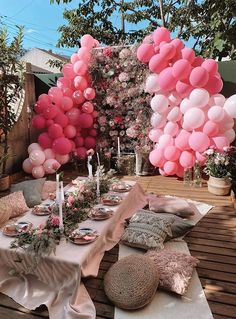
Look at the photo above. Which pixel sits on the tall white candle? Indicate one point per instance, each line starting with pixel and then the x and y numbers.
pixel 118 146
pixel 62 192
pixel 98 176
pixel 90 167
pixel 57 187
pixel 60 208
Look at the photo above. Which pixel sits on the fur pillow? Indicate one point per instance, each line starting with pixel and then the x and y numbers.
pixel 175 269
pixel 49 187
pixel 15 202
pixel 147 230
pixel 171 205
pixel 32 190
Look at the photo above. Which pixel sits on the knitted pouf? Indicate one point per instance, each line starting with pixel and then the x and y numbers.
pixel 131 282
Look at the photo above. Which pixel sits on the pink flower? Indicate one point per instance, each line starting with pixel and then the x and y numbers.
pixel 70 200
pixel 107 52
pixel 55 221
pixel 124 77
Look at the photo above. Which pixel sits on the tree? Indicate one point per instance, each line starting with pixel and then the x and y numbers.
pixel 11 82
pixel 211 24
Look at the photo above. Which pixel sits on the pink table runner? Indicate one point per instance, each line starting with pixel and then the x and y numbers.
pixel 56 280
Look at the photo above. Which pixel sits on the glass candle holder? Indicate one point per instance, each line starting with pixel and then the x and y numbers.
pixel 197 175
pixel 188 177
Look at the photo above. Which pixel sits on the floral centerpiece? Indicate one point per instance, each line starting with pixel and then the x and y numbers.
pixel 123 106
pixel 219 166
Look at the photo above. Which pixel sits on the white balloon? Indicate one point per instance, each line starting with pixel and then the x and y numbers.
pixel 217 99
pixel 159 103
pixel 230 106
pixel 230 134
pixel 199 97
pixel 152 84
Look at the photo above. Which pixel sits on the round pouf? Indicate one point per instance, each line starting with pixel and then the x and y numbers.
pixel 131 282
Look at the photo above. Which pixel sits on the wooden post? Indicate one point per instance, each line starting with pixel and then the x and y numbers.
pixel 162 12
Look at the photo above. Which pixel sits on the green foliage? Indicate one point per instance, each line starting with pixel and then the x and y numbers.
pixel 211 24
pixel 11 82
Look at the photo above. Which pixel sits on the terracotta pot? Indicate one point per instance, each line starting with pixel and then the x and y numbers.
pixel 4 182
pixel 219 185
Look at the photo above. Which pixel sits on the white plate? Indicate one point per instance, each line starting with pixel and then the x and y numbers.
pixel 77 236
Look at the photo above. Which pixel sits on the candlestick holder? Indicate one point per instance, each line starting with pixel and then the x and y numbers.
pixel 188 177
pixel 197 175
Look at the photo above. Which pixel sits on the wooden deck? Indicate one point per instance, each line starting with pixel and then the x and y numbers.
pixel 213 241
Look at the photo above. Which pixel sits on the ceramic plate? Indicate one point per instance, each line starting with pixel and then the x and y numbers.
pixel 121 187
pixel 13 230
pixel 100 213
pixel 83 236
pixel 42 210
pixel 111 200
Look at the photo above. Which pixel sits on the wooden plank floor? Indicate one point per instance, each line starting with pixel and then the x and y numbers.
pixel 213 241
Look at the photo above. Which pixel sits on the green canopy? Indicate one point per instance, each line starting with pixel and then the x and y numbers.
pixel 43 82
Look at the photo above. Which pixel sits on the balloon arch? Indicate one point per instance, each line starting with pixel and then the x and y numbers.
pixel 189 114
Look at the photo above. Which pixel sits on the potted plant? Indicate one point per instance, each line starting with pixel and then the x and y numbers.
pixel 11 83
pixel 219 166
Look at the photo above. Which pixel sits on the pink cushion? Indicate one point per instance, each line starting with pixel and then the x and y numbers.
pixel 48 188
pixel 175 269
pixel 16 203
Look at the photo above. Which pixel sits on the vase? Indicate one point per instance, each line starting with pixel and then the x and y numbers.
pixel 125 164
pixel 142 164
pixel 219 185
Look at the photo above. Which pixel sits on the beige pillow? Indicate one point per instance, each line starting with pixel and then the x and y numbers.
pixel 5 212
pixel 171 205
pixel 131 283
pixel 15 203
pixel 175 269
pixel 147 230
pixel 49 187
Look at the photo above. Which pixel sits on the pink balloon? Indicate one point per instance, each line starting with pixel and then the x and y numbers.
pixel 158 120
pixel 40 106
pixel 66 103
pixel 73 116
pixel 199 77
pixel 167 81
pixel 174 115
pixel 72 146
pixel 87 107
pixel 188 54
pixel 178 44
pixel 89 142
pixel 37 157
pixel 95 114
pixel 49 153
pixel 68 71
pixel 220 142
pixel 27 166
pixel 161 34
pixel 55 94
pixel 216 113
pixel 187 159
pixel 226 124
pixel 217 99
pixel 171 128
pixel 155 134
pixel 152 84
pixel 38 122
pixel 170 168
pixel 180 171
pixel 198 61
pixel 181 141
pixel 172 153
pixel 199 141
pixel 166 140
pixel 55 131
pixel 145 52
pixel 38 171
pixel 194 118
pixel 211 128
pixel 63 83
pixel 156 157
pixel 87 41
pixel 174 98
pixel 93 132
pixel 33 147
pixel 199 97
pixel 78 97
pixel 44 140
pixel 61 146
pixel 50 112
pixel 80 82
pixel 51 166
pixel 157 63
pixel 214 85
pixel 211 66
pixel 80 68
pixel 49 123
pixel 181 69
pixel 162 172
pixel 79 141
pixel 84 54
pixel 167 51
pixel 61 119
pixel 62 159
pixel 74 57
pixel 81 153
pixel 89 93
pixel 70 131
pixel 159 103
pixel 85 120
pixel 230 135
pixel 200 158
pixel 183 88
pixel 44 98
